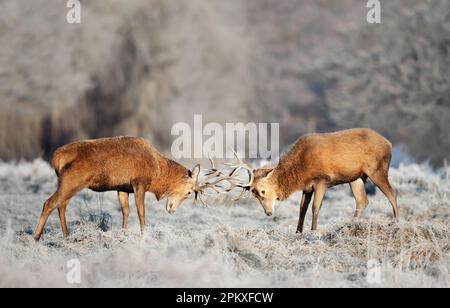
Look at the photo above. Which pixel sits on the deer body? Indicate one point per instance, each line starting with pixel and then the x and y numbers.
pixel 124 164
pixel 319 161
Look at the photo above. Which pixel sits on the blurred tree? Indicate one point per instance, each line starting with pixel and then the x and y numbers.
pixel 136 67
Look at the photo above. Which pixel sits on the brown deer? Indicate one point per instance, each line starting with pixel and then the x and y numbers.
pixel 123 164
pixel 320 161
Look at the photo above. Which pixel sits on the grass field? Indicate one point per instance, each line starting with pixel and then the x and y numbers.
pixel 227 245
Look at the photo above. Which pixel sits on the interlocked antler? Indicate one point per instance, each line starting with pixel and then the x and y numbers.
pixel 214 179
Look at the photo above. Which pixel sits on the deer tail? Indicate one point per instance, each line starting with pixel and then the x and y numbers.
pixel 61 160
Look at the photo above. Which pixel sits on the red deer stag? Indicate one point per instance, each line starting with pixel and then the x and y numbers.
pixel 126 165
pixel 320 161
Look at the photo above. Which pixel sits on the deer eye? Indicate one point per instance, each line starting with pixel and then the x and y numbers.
pixel 263 192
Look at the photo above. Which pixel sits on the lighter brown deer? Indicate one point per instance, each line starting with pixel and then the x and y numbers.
pixel 123 164
pixel 320 161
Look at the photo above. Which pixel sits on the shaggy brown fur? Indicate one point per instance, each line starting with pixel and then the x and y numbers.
pixel 124 164
pixel 320 161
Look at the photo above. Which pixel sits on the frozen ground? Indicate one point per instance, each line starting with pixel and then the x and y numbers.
pixel 227 245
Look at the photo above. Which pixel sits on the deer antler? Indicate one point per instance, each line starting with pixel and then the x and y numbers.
pixel 210 174
pixel 216 177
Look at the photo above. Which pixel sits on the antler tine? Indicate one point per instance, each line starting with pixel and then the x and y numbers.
pixel 213 164
pixel 211 160
pixel 237 157
pixel 243 195
pixel 198 196
pixel 213 172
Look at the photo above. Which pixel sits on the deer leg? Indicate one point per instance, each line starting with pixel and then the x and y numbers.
pixel 58 200
pixel 62 218
pixel 304 205
pixel 359 192
pixel 380 179
pixel 319 193
pixel 69 185
pixel 139 194
pixel 124 204
pixel 46 211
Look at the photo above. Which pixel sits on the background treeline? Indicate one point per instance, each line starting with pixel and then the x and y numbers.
pixel 135 67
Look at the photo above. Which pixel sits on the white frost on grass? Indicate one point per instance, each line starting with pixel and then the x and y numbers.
pixel 226 245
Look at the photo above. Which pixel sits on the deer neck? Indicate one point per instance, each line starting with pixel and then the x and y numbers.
pixel 170 174
pixel 288 179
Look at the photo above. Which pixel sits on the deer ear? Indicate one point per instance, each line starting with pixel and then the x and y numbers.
pixel 269 172
pixel 195 172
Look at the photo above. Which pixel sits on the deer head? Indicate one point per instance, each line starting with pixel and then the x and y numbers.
pixel 264 188
pixel 184 189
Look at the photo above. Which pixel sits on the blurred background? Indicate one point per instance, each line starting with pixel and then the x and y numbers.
pixel 136 67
